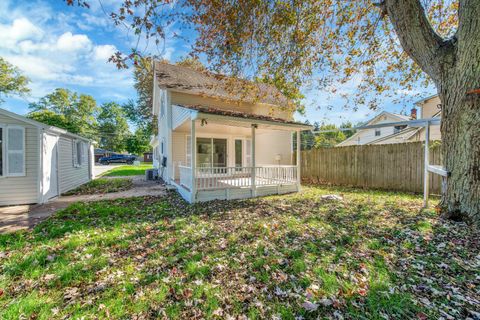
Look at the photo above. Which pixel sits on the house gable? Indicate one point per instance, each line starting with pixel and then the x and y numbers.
pixel 364 136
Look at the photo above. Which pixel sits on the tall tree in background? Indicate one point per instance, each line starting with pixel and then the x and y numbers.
pixel 12 82
pixel 66 109
pixel 329 139
pixel 138 142
pixel 381 46
pixel 113 128
pixel 348 125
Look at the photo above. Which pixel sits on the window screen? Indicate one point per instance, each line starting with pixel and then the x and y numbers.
pixel 15 151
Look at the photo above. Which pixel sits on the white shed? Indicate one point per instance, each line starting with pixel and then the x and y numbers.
pixel 39 162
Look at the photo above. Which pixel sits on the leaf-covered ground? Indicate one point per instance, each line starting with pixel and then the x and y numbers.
pixel 371 256
pixel 101 186
pixel 128 170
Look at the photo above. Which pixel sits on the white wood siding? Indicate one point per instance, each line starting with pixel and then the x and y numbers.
pixel 69 176
pixel 430 107
pixel 272 143
pixel 179 116
pixel 23 190
pixel 368 135
pixel 178 150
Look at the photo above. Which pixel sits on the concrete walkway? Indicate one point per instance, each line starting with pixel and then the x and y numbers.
pixel 23 217
pixel 99 169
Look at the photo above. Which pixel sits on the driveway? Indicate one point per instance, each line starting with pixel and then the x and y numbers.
pixel 99 169
pixel 24 217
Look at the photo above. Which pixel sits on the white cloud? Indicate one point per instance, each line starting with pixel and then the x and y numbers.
pixel 20 29
pixel 54 50
pixel 74 42
pixel 104 52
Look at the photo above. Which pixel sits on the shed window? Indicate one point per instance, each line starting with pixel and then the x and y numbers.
pixel 378 133
pixel 78 153
pixel 12 151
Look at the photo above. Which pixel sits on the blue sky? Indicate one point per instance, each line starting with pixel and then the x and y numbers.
pixel 60 46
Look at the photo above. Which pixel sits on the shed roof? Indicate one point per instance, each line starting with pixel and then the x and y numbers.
pixel 184 79
pixel 41 125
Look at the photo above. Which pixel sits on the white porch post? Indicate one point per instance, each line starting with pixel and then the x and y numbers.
pixel 193 156
pixel 299 177
pixel 254 163
pixel 426 181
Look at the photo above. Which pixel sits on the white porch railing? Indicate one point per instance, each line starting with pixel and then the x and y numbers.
pixel 185 176
pixel 208 178
pixel 275 175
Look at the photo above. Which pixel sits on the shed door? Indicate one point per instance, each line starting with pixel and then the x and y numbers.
pixel 50 166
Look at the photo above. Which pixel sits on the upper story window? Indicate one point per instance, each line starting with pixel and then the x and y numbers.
pixel 378 133
pixel 397 129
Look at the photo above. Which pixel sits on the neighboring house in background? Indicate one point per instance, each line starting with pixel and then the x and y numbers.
pixel 148 157
pixel 100 153
pixel 369 136
pixel 39 162
pixel 429 108
pixel 222 138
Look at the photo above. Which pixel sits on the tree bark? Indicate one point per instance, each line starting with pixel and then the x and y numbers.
pixel 454 66
pixel 461 150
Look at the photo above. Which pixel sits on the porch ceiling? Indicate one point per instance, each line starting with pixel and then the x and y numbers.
pixel 247 123
pixel 242 119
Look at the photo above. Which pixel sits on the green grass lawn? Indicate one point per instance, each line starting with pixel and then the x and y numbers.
pixel 102 185
pixel 128 170
pixel 374 255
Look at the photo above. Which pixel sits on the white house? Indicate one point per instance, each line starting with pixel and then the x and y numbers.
pixel 369 136
pixel 429 108
pixel 39 162
pixel 223 138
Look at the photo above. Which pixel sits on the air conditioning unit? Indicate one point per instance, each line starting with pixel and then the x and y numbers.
pixel 151 174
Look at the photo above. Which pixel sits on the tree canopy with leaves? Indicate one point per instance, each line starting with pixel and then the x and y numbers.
pixel 384 47
pixel 112 127
pixel 69 110
pixel 12 81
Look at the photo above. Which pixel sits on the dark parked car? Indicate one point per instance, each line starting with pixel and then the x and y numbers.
pixel 118 158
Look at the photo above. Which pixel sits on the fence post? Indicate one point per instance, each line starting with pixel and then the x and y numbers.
pixel 426 186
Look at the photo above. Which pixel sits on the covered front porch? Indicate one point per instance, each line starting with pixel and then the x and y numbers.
pixel 218 156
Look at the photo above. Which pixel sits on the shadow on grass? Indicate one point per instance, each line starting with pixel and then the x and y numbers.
pixel 261 257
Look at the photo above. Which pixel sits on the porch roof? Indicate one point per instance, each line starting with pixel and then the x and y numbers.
pixel 246 118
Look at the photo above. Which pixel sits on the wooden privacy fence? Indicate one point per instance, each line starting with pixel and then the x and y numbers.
pixel 396 167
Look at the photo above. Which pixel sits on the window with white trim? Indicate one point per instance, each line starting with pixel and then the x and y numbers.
pixel 13 151
pixel 79 154
pixel 378 133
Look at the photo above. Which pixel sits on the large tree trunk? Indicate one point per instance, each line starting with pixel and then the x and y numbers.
pixel 461 150
pixel 454 66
